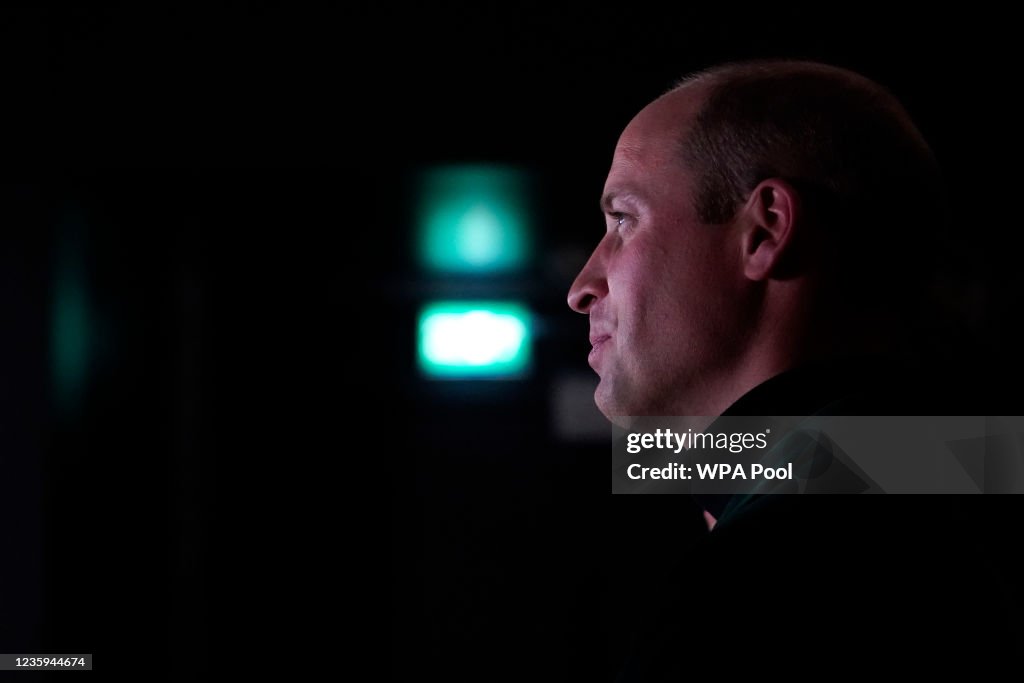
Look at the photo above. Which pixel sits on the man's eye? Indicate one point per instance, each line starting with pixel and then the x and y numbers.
pixel 619 219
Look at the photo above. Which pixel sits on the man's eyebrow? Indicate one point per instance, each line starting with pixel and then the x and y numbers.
pixel 612 195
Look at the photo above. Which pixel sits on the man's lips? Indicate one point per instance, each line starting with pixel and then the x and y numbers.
pixel 597 342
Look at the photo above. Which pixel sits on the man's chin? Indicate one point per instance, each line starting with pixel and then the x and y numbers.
pixel 614 411
pixel 622 421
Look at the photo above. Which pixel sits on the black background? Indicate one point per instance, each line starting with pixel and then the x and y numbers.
pixel 241 177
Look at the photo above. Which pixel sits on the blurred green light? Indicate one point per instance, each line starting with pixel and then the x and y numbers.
pixel 474 340
pixel 72 320
pixel 473 219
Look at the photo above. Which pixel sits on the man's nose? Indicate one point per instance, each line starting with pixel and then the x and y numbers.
pixel 590 285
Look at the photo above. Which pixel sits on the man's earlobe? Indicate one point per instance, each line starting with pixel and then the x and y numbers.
pixel 770 218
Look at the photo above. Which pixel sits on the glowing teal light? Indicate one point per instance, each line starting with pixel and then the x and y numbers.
pixel 72 317
pixel 474 340
pixel 474 219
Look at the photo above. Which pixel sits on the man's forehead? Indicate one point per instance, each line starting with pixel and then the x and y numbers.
pixel 641 152
pixel 651 139
pixel 650 145
pixel 623 176
pixel 629 151
pixel 666 118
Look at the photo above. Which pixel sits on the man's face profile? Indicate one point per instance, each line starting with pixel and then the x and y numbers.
pixel 662 288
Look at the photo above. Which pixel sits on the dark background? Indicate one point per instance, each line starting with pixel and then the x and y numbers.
pixel 228 191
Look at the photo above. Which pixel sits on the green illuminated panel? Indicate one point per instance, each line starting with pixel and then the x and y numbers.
pixel 474 340
pixel 473 219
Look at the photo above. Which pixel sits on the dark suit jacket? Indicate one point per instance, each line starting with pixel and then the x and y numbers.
pixel 790 582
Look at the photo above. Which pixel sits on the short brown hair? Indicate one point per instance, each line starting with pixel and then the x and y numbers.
pixel 845 142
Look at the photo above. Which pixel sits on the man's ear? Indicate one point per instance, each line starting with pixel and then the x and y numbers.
pixel 769 221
